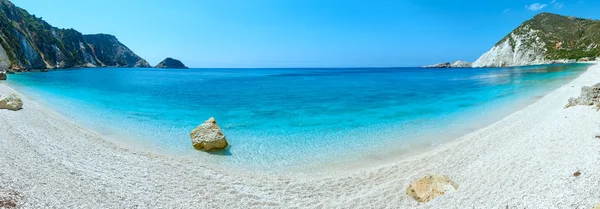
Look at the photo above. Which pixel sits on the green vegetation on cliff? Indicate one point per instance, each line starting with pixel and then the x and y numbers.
pixel 32 43
pixel 564 37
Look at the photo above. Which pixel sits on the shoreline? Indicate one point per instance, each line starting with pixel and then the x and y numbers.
pixel 388 144
pixel 525 159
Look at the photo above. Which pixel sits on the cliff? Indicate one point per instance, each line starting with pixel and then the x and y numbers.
pixel 544 39
pixel 171 63
pixel 28 42
pixel 110 52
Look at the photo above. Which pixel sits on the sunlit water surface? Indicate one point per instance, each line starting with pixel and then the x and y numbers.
pixel 274 118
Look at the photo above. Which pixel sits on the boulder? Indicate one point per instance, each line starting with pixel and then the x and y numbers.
pixel 590 95
pixel 208 136
pixel 2 75
pixel 11 199
pixel 11 102
pixel 429 187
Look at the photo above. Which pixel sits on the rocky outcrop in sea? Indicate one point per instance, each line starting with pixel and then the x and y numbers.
pixel 455 64
pixel 28 42
pixel 171 63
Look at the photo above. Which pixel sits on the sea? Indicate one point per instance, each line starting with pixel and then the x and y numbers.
pixel 279 118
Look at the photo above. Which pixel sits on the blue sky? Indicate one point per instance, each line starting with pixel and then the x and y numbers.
pixel 303 33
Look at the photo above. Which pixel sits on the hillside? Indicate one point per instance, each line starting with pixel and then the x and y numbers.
pixel 28 42
pixel 546 38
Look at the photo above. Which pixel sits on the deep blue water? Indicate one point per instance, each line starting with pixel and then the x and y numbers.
pixel 280 117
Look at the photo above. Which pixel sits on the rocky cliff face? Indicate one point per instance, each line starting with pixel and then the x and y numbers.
pixel 547 38
pixel 110 52
pixel 171 63
pixel 28 42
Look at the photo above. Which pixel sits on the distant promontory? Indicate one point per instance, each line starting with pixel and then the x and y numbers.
pixel 171 63
pixel 545 39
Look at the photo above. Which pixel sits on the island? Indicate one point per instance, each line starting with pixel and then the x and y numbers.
pixel 171 63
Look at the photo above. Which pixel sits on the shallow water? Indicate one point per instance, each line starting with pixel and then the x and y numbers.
pixel 275 118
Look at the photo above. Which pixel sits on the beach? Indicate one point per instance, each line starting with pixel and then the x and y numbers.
pixel 524 160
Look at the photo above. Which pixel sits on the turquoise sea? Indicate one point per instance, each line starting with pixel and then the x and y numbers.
pixel 274 118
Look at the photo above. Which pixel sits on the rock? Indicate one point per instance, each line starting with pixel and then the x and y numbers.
pixel 2 75
pixel 455 64
pixel 461 64
pixel 11 199
pixel 4 60
pixel 439 65
pixel 171 63
pixel 429 187
pixel 11 102
pixel 577 173
pixel 208 136
pixel 590 95
pixel 585 59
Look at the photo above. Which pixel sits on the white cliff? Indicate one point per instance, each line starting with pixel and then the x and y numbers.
pixel 524 48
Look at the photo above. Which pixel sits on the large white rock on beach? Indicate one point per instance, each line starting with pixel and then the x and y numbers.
pixel 429 187
pixel 208 136
pixel 11 102
pixel 590 95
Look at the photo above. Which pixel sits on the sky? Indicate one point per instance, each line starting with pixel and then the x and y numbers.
pixel 303 33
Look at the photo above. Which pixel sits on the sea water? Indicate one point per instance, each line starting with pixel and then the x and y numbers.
pixel 276 118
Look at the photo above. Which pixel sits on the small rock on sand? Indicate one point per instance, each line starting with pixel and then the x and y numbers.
pixel 2 75
pixel 11 199
pixel 429 187
pixel 11 102
pixel 208 136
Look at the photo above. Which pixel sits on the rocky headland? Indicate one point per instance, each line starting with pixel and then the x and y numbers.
pixel 545 39
pixel 28 42
pixel 455 64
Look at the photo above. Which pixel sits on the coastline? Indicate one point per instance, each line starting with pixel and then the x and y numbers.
pixel 525 159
